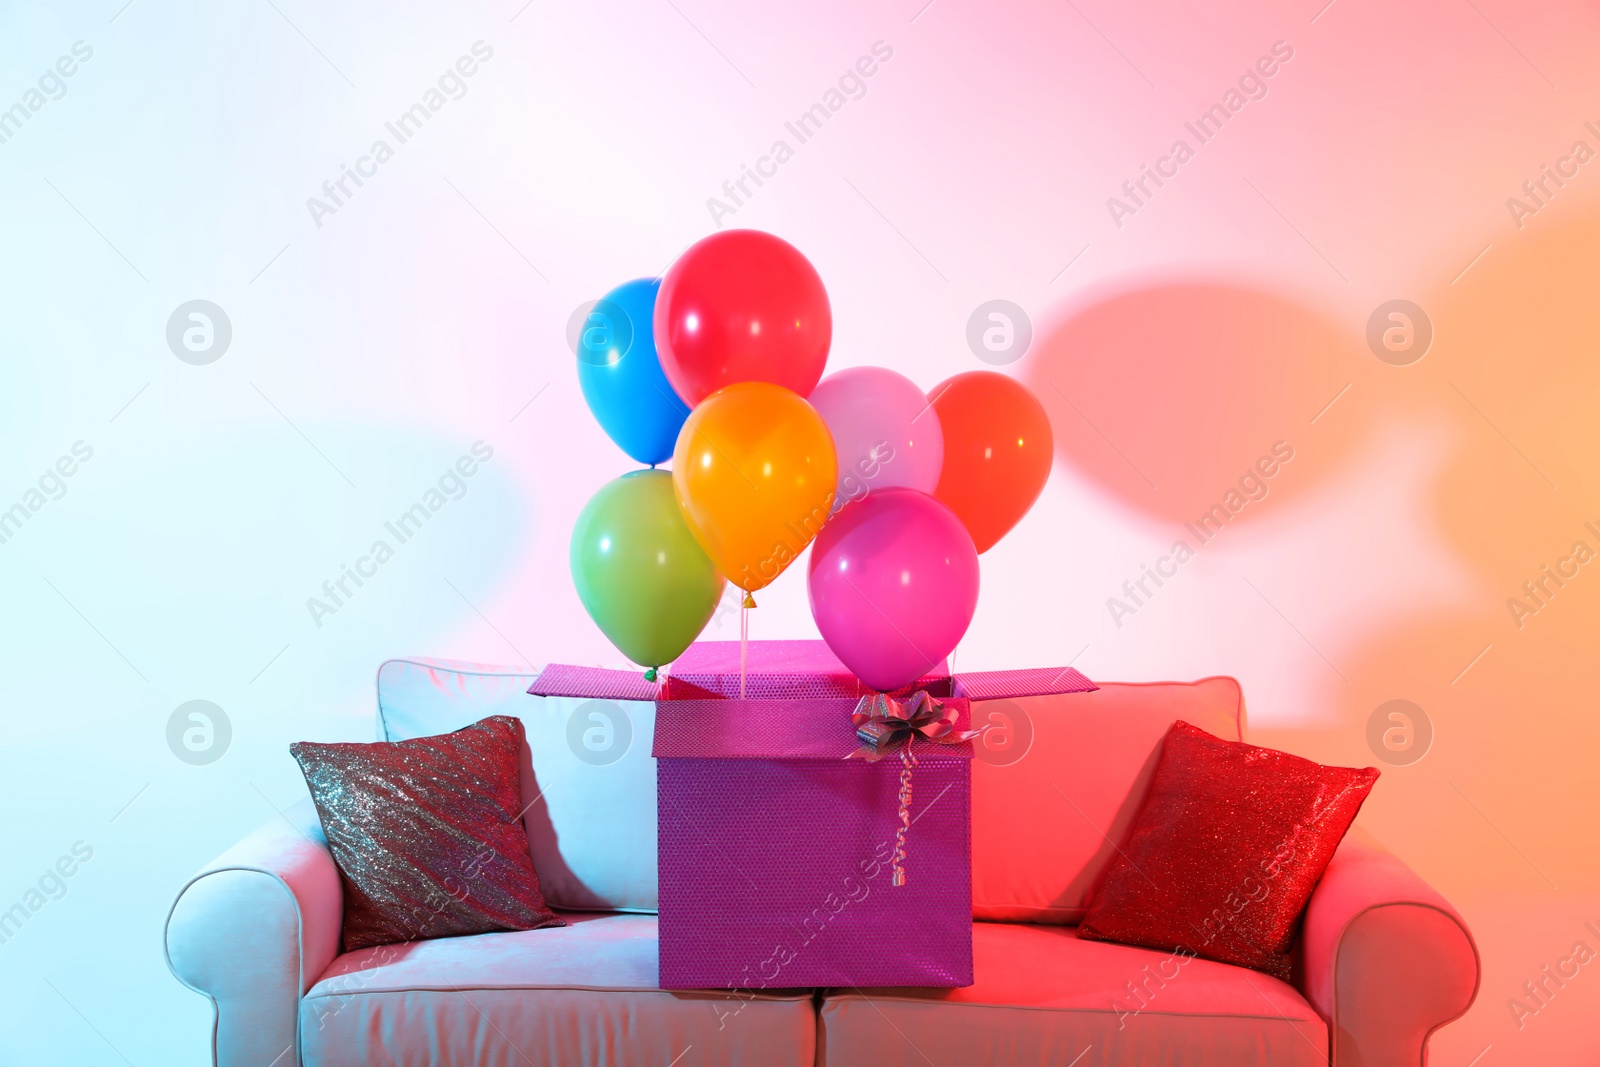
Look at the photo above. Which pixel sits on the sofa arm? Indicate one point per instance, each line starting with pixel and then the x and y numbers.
pixel 1387 960
pixel 253 930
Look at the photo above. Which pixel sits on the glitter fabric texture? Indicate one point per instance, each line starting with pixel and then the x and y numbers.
pixel 1226 850
pixel 427 834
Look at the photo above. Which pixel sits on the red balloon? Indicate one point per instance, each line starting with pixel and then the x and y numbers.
pixel 997 451
pixel 742 306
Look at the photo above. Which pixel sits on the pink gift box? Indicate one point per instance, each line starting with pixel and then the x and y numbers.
pixel 774 852
pixel 774 849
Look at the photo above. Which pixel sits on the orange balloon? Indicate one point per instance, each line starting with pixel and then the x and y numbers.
pixel 997 451
pixel 754 472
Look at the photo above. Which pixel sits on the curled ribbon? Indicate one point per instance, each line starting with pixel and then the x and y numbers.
pixel 884 724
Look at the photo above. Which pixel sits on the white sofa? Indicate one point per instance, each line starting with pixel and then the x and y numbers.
pixel 1384 961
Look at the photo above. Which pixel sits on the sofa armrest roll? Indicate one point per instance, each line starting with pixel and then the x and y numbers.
pixel 253 931
pixel 1387 961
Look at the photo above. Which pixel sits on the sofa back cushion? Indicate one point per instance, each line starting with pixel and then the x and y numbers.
pixel 1046 812
pixel 1042 822
pixel 588 781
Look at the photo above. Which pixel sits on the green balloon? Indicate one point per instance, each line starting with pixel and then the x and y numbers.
pixel 641 575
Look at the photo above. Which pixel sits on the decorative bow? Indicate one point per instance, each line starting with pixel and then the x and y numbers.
pixel 884 724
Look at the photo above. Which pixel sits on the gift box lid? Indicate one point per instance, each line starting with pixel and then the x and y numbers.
pixel 1026 682
pixel 777 729
pixel 790 670
pixel 599 683
pixel 777 670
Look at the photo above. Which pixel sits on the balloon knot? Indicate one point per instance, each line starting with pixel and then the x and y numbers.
pixel 749 601
pixel 650 675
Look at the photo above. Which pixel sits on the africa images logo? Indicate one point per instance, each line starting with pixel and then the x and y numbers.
pixel 852 85
pixel 1254 485
pixel 1252 85
pixel 52 86
pixel 452 85
pixel 453 484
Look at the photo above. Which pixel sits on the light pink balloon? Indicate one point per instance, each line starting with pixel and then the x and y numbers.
pixel 893 585
pixel 884 430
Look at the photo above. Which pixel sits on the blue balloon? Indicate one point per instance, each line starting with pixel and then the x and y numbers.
pixel 621 375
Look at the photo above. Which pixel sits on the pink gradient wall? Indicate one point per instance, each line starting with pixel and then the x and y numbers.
pixel 1177 340
pixel 1179 343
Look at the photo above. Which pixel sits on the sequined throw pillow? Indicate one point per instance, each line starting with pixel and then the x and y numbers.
pixel 1225 851
pixel 428 834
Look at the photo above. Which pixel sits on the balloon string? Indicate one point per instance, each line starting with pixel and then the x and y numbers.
pixel 744 643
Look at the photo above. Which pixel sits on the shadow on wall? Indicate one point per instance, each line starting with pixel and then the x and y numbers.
pixel 1167 396
pixel 1510 688
pixel 1164 396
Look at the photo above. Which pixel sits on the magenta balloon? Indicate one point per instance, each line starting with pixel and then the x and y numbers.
pixel 884 431
pixel 893 585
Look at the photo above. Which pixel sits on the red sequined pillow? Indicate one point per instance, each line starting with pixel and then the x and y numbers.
pixel 1224 853
pixel 428 834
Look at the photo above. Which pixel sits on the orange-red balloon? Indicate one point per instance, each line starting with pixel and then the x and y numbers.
pixel 754 471
pixel 997 451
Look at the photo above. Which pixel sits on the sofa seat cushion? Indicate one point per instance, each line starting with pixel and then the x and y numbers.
pixel 1044 996
pixel 575 995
